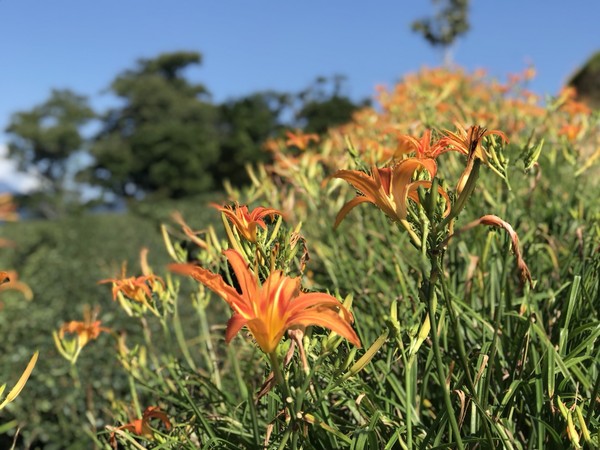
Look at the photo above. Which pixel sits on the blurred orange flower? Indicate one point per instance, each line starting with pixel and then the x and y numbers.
pixel 8 210
pixel 141 427
pixel 138 289
pixel 4 277
pixel 270 308
pixel 570 131
pixel 86 331
pixel 246 222
pixel 300 139
pixel 10 281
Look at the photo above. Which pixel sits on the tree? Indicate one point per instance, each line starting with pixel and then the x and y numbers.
pixel 46 138
pixel 586 81
pixel 244 125
pixel 163 139
pixel 323 106
pixel 449 22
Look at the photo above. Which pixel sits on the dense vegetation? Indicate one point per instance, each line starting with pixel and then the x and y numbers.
pixel 459 348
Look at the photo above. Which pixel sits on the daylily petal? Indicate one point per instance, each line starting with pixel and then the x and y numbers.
pixel 347 207
pixel 361 181
pixel 234 325
pixel 246 222
pixel 318 299
pixel 266 334
pixel 245 277
pixel 326 318
pixel 214 282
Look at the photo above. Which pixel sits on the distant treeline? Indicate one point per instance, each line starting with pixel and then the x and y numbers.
pixel 166 139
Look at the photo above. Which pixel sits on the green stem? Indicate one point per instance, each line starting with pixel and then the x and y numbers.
pixel 74 372
pixel 462 354
pixel 433 279
pixel 416 240
pixel 210 351
pixel 409 402
pixel 595 391
pixel 286 398
pixel 280 380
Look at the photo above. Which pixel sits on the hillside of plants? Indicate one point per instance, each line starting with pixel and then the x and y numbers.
pixel 425 276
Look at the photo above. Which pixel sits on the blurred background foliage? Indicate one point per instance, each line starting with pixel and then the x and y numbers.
pixel 166 139
pixel 547 190
pixel 167 147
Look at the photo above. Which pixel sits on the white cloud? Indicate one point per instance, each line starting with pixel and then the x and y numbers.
pixel 9 176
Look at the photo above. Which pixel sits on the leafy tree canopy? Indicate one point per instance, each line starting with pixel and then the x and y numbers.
pixel 45 137
pixel 586 81
pixel 163 139
pixel 244 125
pixel 324 104
pixel 450 21
pixel 44 140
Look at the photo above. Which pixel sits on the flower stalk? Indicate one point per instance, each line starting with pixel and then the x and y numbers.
pixel 432 307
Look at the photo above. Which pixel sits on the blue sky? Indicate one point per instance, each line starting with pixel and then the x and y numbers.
pixel 265 44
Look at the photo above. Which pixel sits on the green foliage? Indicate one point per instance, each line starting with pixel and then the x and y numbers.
pixel 450 21
pixel 586 81
pixel 166 139
pixel 244 125
pixel 163 140
pixel 322 108
pixel 44 140
pixel 62 261
pixel 457 351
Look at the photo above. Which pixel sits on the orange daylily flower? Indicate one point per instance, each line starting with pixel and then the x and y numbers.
pixel 468 142
pixel 10 281
pixel 4 277
pixel 191 234
pixel 425 152
pixel 300 139
pixel 8 210
pixel 388 188
pixel 86 331
pixel 270 308
pixel 570 131
pixel 141 427
pixel 247 222
pixel 134 288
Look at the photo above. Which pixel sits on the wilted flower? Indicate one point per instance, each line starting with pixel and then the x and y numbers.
pixel 141 427
pixel 270 308
pixel 495 221
pixel 247 222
